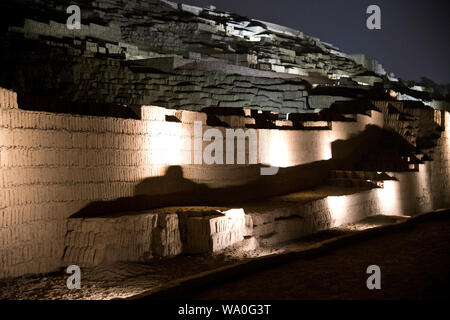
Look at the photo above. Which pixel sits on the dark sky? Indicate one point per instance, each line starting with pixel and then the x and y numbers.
pixel 413 40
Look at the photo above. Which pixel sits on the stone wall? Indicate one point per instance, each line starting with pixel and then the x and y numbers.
pixel 94 84
pixel 54 165
pixel 130 237
pixel 429 187
pixel 117 57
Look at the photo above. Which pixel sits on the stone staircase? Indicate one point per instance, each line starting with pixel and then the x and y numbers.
pixel 417 123
pixel 357 179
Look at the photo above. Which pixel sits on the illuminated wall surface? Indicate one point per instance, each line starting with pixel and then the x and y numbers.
pixel 53 165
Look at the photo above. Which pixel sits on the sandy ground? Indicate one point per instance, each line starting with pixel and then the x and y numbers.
pixel 414 263
pixel 122 280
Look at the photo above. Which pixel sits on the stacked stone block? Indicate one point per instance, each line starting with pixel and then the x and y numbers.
pixel 54 165
pixel 212 233
pixel 132 237
pixel 8 99
pixel 293 219
pixel 103 63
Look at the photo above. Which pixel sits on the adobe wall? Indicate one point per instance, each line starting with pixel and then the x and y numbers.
pixel 104 80
pixel 427 189
pixel 228 63
pixel 53 165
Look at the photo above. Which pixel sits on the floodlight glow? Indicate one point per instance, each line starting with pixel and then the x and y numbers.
pixel 338 209
pixel 234 213
pixel 279 155
pixel 389 198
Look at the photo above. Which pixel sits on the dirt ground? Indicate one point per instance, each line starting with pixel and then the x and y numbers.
pixel 414 263
pixel 121 280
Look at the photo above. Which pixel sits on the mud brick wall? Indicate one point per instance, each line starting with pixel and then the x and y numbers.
pixel 54 165
pixel 440 167
pixel 429 188
pixel 211 233
pixel 95 241
pixel 112 63
pixel 8 99
pixel 109 82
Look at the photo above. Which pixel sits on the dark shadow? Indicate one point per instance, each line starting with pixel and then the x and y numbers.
pixel 375 149
pixel 170 118
pixel 173 189
pixel 213 121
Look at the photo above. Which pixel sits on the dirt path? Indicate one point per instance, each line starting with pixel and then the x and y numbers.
pixel 414 262
pixel 121 280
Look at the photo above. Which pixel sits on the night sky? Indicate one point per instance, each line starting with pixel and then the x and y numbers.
pixel 413 40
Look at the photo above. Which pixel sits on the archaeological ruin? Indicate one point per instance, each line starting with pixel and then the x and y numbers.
pixel 159 129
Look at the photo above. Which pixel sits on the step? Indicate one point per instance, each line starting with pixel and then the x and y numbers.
pixel 166 232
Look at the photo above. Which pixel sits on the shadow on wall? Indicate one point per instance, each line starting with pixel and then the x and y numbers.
pixel 173 189
pixel 375 149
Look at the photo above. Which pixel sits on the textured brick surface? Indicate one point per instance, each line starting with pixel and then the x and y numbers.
pixel 8 99
pixel 53 165
pixel 211 233
pixel 177 60
pixel 133 237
